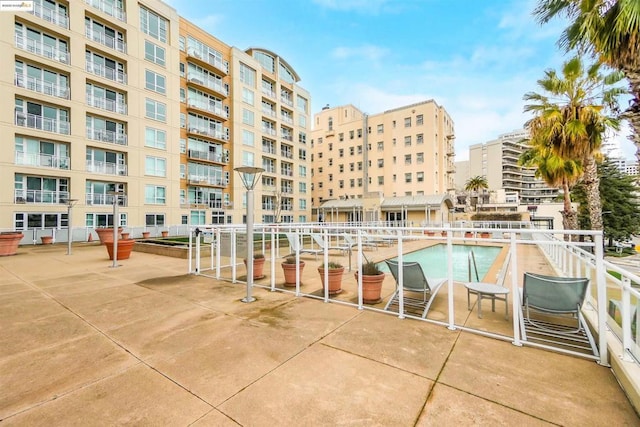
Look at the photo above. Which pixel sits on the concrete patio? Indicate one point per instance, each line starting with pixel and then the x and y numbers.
pixel 146 344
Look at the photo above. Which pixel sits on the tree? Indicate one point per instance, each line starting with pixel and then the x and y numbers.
pixel 556 172
pixel 619 201
pixel 572 118
pixel 609 30
pixel 476 183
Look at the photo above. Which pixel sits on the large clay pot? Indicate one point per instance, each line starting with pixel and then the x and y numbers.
pixel 371 288
pixel 335 279
pixel 290 273
pixel 46 240
pixel 164 233
pixel 124 248
pixel 258 267
pixel 9 242
pixel 106 234
pixel 146 234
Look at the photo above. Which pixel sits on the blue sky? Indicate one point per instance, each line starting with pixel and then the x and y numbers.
pixel 477 58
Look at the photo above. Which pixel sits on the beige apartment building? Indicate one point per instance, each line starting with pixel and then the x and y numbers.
pixel 125 102
pixel 362 162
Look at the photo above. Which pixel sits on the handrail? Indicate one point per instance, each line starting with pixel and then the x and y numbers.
pixel 472 260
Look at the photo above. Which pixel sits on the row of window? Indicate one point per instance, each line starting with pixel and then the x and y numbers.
pixel 353 182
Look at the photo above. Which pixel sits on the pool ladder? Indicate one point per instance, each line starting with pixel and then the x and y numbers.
pixel 471 261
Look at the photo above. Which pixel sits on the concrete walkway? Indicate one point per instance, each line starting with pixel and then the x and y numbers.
pixel 145 344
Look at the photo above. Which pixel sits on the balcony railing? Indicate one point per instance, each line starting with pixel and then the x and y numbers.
pixel 286 101
pixel 106 168
pixel 42 49
pixel 208 180
pixel 287 119
pixel 209 156
pixel 213 84
pixel 268 112
pixel 105 39
pixel 42 160
pixel 109 8
pixel 51 15
pixel 105 199
pixel 222 134
pixel 268 206
pixel 104 135
pixel 268 168
pixel 216 109
pixel 43 123
pixel 41 86
pixel 106 104
pixel 287 190
pixel 41 196
pixel 286 136
pixel 287 172
pixel 268 130
pixel 269 92
pixel 269 149
pixel 287 154
pixel 209 59
pixel 106 72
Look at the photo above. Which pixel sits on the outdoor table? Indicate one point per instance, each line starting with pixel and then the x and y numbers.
pixel 487 291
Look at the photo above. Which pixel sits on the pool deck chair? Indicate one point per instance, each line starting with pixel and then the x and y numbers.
pixel 350 240
pixel 414 281
pixel 556 303
pixel 322 243
pixel 296 246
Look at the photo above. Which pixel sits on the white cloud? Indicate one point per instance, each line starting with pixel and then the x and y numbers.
pixel 366 52
pixel 365 6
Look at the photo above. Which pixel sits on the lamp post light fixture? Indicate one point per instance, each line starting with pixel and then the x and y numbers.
pixel 249 176
pixel 70 203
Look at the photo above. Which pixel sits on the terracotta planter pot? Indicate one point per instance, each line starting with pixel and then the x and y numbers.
pixel 335 279
pixel 106 234
pixel 468 234
pixel 124 248
pixel 430 233
pixel 146 234
pixel 371 288
pixel 164 233
pixel 443 233
pixel 9 243
pixel 485 235
pixel 124 236
pixel 258 267
pixel 46 240
pixel 290 273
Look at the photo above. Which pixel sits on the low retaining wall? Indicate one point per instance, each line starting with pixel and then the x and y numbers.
pixel 178 251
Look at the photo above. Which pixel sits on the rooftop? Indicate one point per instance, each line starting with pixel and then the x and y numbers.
pixel 146 343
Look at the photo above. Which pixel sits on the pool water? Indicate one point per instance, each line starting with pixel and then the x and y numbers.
pixel 433 260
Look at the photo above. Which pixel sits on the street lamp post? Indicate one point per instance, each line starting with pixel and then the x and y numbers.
pixel 70 204
pixel 249 176
pixel 116 225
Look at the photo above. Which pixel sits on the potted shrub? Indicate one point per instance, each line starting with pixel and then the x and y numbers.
pixel 372 278
pixel 335 277
pixel 258 265
pixel 9 242
pixel 124 248
pixel 289 268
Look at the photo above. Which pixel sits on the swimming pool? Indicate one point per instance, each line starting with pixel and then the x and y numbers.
pixel 433 260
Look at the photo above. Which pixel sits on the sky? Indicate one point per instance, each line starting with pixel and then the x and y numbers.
pixel 476 58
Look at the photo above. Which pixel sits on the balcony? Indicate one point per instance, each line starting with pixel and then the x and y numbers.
pixel 105 199
pixel 50 15
pixel 208 58
pixel 106 72
pixel 268 206
pixel 286 136
pixel 269 92
pixel 269 112
pixel 41 160
pixel 287 190
pixel 209 156
pixel 208 180
pixel 287 119
pixel 213 84
pixel 109 8
pixel 49 197
pixel 286 101
pixel 222 134
pixel 287 172
pixel 286 153
pixel 105 39
pixel 39 48
pixel 41 86
pixel 109 136
pixel 268 130
pixel 42 123
pixel 107 104
pixel 106 168
pixel 269 149
pixel 269 168
pixel 214 108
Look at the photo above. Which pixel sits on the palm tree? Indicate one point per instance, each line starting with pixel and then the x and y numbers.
pixel 571 120
pixel 556 172
pixel 610 31
pixel 476 183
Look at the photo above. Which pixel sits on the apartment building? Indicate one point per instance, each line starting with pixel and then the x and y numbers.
pixel 124 102
pixel 403 152
pixel 497 160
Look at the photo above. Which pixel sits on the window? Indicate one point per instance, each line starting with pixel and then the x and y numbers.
pixel 330 147
pixel 419 158
pixel 247 117
pixel 320 155
pixel 359 149
pixel 183 172
pixel 183 120
pixel 359 182
pixel 359 133
pixel 183 95
pixel 303 203
pixel 320 169
pixel 341 183
pixel 247 138
pixel 330 123
pixel 352 151
pixel 302 187
pixel 330 177
pixel 155 82
pixel 182 70
pixel 153 25
pixel 407 141
pixel 359 166
pixel 154 195
pixel 247 75
pixel 331 162
pixel 341 136
pixel 351 167
pixel 380 163
pixel 302 137
pixel 350 134
pixel 247 96
pixel 302 121
pixel 248 158
pixel 407 177
pixel 198 217
pixel 407 159
pixel 420 176
pixel 352 183
pixel 154 220
pixel 183 145
pixel 155 166
pixel 155 138
pixel 156 54
pixel 302 154
pixel 341 168
pixel 381 180
pixel 380 128
pixel 341 152
pixel 302 170
pixel 407 122
pixel 419 139
pixel 182 42
pixel 394 160
pixel 302 104
pixel 419 119
pixel 380 146
pixel 155 110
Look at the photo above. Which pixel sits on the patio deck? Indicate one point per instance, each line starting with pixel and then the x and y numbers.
pixel 86 344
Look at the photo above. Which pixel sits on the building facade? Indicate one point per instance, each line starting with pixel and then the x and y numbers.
pixel 124 102
pixel 407 151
